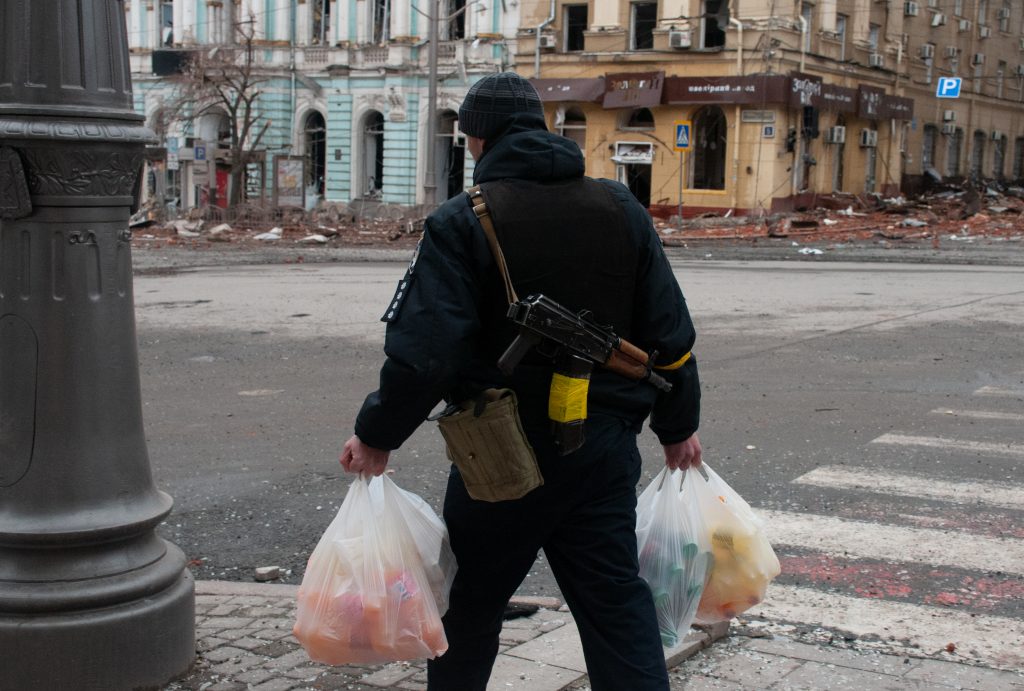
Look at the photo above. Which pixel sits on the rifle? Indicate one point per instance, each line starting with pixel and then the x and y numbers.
pixel 579 343
pixel 540 318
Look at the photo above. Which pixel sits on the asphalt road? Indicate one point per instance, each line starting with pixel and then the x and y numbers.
pixel 252 375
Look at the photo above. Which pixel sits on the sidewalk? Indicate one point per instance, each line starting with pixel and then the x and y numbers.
pixel 243 635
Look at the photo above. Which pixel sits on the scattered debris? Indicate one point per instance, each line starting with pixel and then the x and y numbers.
pixel 315 239
pixel 271 235
pixel 810 250
pixel 267 573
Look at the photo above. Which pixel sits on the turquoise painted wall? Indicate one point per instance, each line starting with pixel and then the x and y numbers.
pixel 339 136
pixel 400 156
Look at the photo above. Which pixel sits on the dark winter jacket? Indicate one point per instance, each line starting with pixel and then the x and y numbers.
pixel 446 324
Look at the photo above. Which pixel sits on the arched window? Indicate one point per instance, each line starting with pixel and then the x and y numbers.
pixel 710 132
pixel 372 155
pixel 931 136
pixel 999 158
pixel 314 133
pixel 978 153
pixel 1018 158
pixel 637 119
pixel 953 153
pixel 451 154
pixel 571 123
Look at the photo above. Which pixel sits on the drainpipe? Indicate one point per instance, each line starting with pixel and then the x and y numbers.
pixel 737 117
pixel 291 68
pixel 430 175
pixel 536 36
pixel 803 42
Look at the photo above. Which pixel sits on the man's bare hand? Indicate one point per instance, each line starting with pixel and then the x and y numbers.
pixel 684 454
pixel 357 457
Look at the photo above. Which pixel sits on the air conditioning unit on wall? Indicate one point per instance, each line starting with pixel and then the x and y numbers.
pixel 949 128
pixel 965 25
pixel 547 41
pixel 927 51
pixel 952 51
pixel 948 115
pixel 938 19
pixel 876 60
pixel 911 9
pixel 835 135
pixel 680 39
pixel 978 59
pixel 984 32
pixel 869 138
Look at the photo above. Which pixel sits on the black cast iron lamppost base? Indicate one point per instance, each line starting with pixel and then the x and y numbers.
pixel 90 596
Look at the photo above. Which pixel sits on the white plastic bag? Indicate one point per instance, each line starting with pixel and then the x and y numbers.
pixel 744 561
pixel 675 554
pixel 372 586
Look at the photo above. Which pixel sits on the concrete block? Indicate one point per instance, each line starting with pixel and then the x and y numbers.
pixel 964 676
pixel 389 676
pixel 561 648
pixel 544 602
pixel 755 670
pixel 893 665
pixel 693 643
pixel 517 674
pixel 815 675
pixel 223 653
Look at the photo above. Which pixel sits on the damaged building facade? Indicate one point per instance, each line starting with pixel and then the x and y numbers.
pixel 787 101
pixel 343 91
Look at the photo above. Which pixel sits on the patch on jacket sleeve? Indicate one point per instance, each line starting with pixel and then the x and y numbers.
pixel 391 314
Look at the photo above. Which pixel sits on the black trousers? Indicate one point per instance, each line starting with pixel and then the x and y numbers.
pixel 584 518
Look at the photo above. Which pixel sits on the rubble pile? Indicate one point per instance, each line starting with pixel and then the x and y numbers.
pixel 947 214
pixel 943 216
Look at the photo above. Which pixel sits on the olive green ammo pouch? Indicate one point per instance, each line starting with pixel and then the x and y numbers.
pixel 487 444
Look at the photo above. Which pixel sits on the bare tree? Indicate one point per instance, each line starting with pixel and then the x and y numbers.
pixel 226 80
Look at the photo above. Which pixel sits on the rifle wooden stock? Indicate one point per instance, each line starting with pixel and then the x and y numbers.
pixel 626 363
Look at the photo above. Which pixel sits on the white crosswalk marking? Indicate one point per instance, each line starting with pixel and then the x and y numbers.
pixel 976 447
pixel 998 640
pixel 980 414
pixel 863 539
pixel 836 477
pixel 998 391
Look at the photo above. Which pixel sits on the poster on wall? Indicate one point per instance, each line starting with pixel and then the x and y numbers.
pixel 289 177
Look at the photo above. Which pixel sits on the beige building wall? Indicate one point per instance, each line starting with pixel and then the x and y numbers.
pixel 900 48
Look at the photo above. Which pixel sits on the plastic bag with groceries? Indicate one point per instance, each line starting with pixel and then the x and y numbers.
pixel 378 581
pixel 744 562
pixel 675 553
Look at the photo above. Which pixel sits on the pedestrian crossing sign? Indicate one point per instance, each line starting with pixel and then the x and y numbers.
pixel 683 135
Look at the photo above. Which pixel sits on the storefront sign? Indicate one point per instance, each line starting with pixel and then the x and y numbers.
pixel 633 89
pixel 809 90
pixel 897 108
pixel 580 90
pixel 869 102
pixel 739 90
pixel 749 115
pixel 634 152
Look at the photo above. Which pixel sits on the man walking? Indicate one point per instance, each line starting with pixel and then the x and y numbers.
pixel 587 244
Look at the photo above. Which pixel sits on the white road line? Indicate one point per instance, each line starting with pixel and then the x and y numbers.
pixel 863 539
pixel 998 391
pixel 996 641
pixel 980 447
pixel 980 414
pixel 836 477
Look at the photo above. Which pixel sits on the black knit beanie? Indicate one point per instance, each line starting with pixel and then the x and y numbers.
pixel 492 102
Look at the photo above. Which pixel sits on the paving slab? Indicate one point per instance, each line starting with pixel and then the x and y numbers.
pixel 965 677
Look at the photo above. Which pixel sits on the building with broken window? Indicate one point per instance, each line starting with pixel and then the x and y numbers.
pixel 341 95
pixel 779 102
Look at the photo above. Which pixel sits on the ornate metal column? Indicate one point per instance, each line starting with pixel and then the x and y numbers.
pixel 90 597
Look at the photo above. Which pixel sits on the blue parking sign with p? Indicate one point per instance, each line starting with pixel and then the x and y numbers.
pixel 949 87
pixel 682 135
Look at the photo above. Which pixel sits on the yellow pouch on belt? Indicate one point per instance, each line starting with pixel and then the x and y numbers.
pixel 567 400
pixel 487 444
